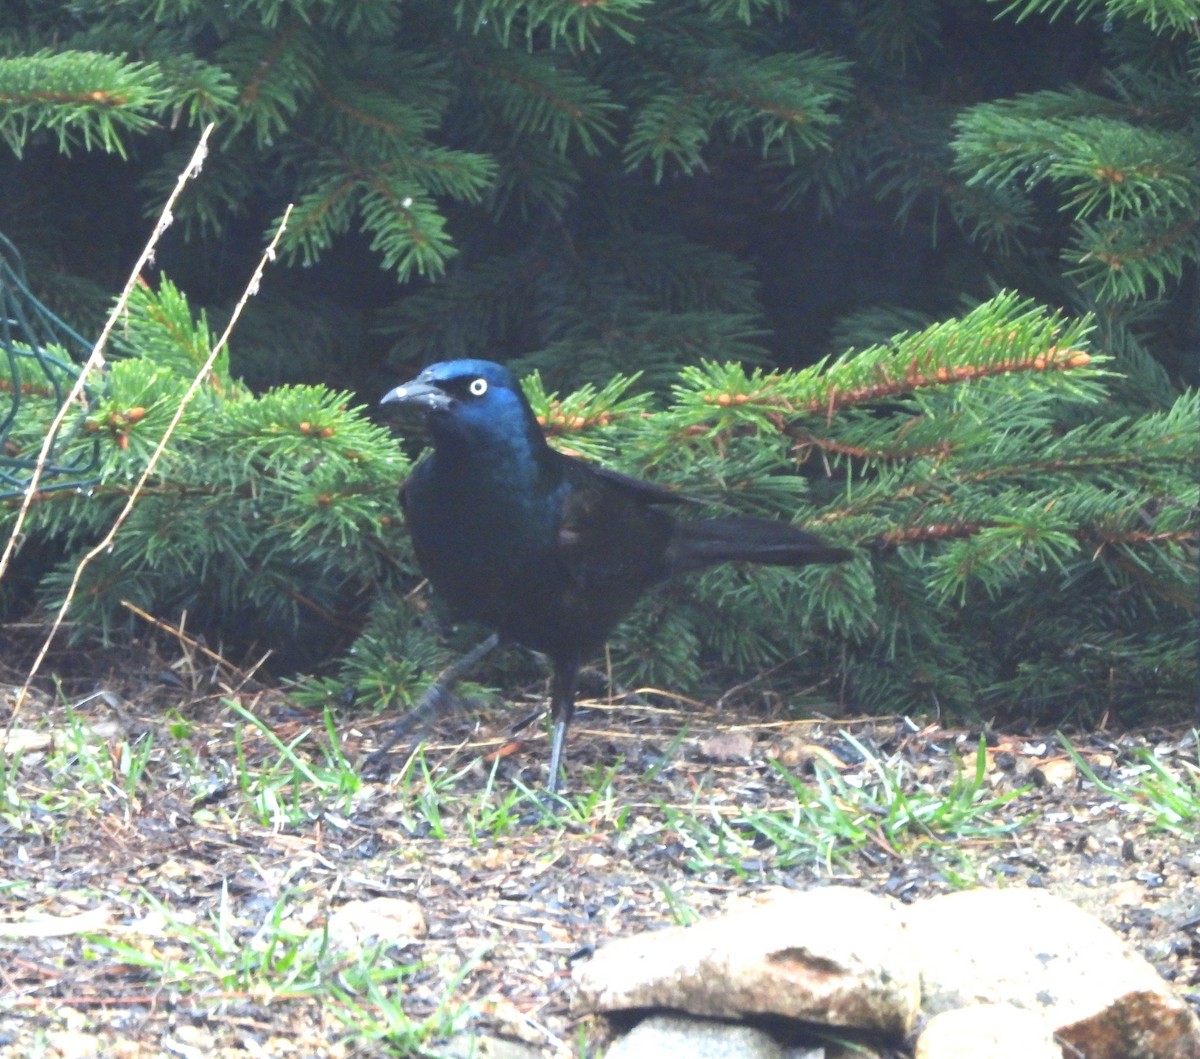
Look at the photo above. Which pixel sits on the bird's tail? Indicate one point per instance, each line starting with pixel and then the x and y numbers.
pixel 695 545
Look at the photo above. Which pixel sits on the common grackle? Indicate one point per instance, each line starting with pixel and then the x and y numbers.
pixel 547 550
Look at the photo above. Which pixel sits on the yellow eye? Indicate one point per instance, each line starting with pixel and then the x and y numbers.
pixel 478 387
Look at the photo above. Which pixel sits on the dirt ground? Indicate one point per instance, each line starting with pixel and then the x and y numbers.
pixel 507 896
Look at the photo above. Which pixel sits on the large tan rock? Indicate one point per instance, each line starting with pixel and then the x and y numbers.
pixel 1039 952
pixel 834 956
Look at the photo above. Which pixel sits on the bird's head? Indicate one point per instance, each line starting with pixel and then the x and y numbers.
pixel 469 400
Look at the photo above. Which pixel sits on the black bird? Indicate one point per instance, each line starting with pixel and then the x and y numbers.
pixel 547 550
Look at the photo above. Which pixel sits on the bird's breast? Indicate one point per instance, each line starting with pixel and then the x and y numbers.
pixel 477 535
pixel 549 556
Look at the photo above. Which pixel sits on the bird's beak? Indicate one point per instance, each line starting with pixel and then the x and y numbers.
pixel 417 394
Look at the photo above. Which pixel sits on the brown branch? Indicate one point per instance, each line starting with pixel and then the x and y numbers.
pixel 1054 359
pixel 1138 536
pixel 806 441
pixel 95 98
pixel 1116 261
pixel 27 389
pixel 265 65
pixel 935 531
pixel 358 114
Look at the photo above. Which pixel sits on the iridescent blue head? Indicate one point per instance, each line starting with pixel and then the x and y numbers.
pixel 470 403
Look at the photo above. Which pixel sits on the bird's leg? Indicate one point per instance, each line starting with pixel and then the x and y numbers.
pixel 436 700
pixel 562 706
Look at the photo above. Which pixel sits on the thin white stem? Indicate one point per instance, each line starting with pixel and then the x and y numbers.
pixel 95 359
pixel 106 541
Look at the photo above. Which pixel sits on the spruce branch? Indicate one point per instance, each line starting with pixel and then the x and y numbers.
pixel 393 196
pixel 785 103
pixel 82 98
pixel 743 10
pixel 537 96
pixel 569 23
pixel 277 72
pixel 1178 15
pixel 1134 258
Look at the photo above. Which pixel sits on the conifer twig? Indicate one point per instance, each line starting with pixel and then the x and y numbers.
pixel 197 381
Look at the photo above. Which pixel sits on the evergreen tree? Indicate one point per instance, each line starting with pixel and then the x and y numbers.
pixel 647 180
pixel 636 189
pixel 1018 551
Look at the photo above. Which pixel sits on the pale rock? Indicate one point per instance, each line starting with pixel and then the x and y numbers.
pixel 1039 952
pixel 988 1031
pixel 834 956
pixel 390 919
pixel 672 1037
pixel 72 1044
pixel 1055 773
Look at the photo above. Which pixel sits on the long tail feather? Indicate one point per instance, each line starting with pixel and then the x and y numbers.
pixel 695 545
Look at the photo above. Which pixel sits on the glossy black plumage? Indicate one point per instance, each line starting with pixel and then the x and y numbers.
pixel 546 550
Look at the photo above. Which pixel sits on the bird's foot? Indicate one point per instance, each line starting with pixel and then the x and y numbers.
pixel 435 702
pixel 544 807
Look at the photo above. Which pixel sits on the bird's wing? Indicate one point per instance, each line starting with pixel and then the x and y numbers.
pixel 634 488
pixel 613 533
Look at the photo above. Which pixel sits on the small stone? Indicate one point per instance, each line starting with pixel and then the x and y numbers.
pixel 671 1037
pixel 1055 773
pixel 727 748
pixel 72 1044
pixel 393 919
